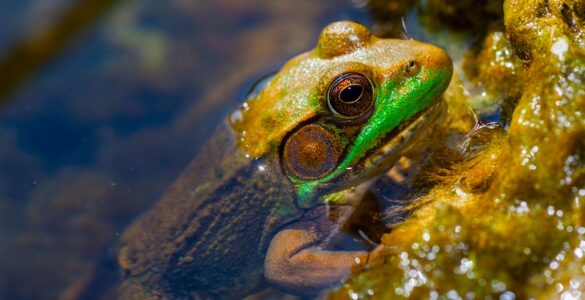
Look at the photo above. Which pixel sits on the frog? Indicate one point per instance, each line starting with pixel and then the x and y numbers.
pixel 278 178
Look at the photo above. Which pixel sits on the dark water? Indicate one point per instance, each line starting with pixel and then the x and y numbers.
pixel 92 136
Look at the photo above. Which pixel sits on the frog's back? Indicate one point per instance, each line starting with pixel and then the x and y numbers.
pixel 209 233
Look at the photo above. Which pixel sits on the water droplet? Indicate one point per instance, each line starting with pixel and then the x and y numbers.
pixel 554 265
pixel 559 48
pixel 426 236
pixel 507 295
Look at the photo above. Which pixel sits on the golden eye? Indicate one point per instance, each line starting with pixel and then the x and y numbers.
pixel 350 95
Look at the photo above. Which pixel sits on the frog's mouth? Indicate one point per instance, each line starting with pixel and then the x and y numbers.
pixel 393 145
pixel 376 161
pixel 400 139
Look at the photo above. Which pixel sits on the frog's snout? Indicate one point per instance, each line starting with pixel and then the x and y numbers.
pixel 436 63
pixel 441 65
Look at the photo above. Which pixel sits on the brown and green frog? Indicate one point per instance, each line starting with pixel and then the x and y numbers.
pixel 278 179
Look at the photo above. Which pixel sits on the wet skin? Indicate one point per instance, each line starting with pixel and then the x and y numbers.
pixel 277 180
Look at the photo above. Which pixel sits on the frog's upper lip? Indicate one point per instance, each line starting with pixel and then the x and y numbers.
pixel 395 144
pixel 399 140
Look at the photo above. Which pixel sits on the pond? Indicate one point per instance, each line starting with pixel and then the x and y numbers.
pixel 104 103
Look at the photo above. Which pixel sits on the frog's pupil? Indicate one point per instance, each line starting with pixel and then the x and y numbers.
pixel 351 93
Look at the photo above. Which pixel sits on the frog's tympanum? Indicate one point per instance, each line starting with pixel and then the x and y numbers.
pixel 271 187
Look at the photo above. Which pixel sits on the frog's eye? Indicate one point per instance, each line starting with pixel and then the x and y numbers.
pixel 350 95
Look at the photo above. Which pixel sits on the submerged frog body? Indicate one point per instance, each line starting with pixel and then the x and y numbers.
pixel 278 179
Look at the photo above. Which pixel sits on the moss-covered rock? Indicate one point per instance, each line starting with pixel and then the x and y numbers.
pixel 506 221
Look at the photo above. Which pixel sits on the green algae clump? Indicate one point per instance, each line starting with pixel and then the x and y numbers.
pixel 507 222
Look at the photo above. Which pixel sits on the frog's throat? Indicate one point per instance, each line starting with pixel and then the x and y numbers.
pixel 398 104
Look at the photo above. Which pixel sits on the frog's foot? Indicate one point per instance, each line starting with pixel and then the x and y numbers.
pixel 296 261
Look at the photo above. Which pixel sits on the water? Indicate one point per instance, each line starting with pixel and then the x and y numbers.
pixel 94 135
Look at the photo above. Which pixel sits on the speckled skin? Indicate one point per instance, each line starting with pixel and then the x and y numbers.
pixel 236 218
pixel 212 227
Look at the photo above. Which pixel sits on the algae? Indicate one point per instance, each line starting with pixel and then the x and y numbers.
pixel 502 213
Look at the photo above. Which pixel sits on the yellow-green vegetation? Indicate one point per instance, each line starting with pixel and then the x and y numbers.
pixel 504 219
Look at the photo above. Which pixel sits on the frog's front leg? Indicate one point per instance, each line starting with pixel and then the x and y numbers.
pixel 296 261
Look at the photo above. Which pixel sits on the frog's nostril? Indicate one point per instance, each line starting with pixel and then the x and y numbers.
pixel 411 68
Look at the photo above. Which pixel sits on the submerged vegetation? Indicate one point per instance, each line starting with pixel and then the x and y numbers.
pixel 502 214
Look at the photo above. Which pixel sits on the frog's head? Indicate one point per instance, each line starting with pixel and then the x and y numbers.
pixel 345 111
